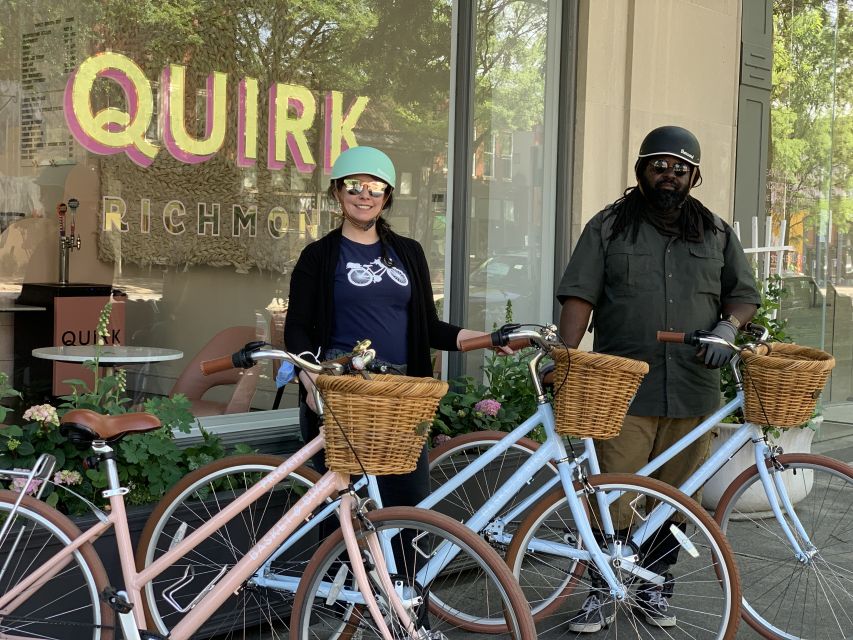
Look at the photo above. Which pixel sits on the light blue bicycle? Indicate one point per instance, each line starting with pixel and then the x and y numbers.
pixel 795 556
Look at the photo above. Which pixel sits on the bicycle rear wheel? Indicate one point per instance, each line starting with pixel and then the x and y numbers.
pixel 451 458
pixel 784 597
pixel 261 608
pixel 68 605
pixel 476 579
pixel 706 596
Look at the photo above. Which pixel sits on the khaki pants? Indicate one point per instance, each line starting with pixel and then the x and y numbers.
pixel 643 438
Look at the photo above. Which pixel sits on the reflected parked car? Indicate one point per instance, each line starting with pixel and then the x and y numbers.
pixel 507 276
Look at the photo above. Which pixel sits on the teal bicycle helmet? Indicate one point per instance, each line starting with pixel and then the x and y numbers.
pixel 365 160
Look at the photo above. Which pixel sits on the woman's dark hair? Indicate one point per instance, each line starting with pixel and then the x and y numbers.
pixel 382 226
pixel 630 210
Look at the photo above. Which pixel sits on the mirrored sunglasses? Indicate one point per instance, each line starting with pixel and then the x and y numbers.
pixel 678 168
pixel 354 186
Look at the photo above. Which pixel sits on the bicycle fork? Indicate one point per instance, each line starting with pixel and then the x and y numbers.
pixel 379 570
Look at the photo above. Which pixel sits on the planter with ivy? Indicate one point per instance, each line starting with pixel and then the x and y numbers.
pixel 149 463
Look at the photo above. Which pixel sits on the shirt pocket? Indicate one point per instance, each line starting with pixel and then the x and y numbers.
pixel 629 269
pixel 705 268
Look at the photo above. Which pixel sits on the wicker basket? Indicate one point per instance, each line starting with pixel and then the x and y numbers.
pixel 383 420
pixel 783 386
pixel 593 400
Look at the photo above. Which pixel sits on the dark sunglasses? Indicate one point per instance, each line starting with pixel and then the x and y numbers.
pixel 354 186
pixel 678 168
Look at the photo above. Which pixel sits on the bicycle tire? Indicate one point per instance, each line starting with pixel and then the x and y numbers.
pixel 450 458
pixel 502 592
pixel 548 587
pixel 193 501
pixel 784 597
pixel 70 601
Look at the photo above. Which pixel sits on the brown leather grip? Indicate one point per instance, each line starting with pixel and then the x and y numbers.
pixel 485 342
pixel 671 336
pixel 216 365
pixel 763 349
pixel 344 359
pixel 480 342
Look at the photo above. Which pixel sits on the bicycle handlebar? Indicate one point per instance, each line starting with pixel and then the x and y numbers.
pixel 699 338
pixel 514 337
pixel 252 353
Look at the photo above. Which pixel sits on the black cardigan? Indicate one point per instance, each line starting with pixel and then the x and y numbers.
pixel 308 324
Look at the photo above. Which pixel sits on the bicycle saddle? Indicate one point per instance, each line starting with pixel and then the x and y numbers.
pixel 82 426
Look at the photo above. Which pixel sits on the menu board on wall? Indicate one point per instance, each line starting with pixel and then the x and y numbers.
pixel 48 54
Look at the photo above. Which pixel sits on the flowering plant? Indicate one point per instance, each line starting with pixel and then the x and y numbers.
pixel 501 404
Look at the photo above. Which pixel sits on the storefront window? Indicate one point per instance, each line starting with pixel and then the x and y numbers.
pixel 512 55
pixel 809 186
pixel 198 140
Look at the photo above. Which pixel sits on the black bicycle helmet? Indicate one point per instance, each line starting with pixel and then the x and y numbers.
pixel 671 141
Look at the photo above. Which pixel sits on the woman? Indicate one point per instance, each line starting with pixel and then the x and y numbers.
pixel 360 281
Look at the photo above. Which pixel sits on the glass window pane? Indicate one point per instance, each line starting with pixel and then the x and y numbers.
pixel 505 235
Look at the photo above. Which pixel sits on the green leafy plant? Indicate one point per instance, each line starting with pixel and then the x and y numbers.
pixel 149 463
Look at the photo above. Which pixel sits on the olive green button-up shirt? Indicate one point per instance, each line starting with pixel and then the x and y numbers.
pixel 659 283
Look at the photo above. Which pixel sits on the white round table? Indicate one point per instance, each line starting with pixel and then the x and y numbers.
pixel 109 356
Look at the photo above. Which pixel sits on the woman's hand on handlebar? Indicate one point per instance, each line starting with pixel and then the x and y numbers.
pixel 467 334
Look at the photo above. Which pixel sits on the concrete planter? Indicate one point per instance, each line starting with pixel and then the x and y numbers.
pixel 754 500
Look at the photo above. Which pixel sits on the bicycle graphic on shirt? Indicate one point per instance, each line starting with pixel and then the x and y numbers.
pixel 362 275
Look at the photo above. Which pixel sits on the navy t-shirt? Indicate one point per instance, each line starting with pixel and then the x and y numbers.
pixel 371 301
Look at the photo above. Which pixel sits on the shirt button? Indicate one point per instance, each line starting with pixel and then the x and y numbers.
pixel 669 275
pixel 670 302
pixel 671 329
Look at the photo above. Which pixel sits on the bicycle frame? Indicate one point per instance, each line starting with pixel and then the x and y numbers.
pixel 330 484
pixel 553 449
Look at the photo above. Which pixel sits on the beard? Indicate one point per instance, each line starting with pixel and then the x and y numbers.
pixel 664 199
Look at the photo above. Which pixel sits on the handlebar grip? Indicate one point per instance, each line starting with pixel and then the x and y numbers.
pixel 209 367
pixel 673 336
pixel 763 349
pixel 480 342
pixel 519 343
pixel 344 359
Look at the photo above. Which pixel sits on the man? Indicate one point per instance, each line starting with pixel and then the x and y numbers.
pixel 657 259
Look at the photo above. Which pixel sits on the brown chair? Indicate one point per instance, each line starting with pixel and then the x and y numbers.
pixel 194 385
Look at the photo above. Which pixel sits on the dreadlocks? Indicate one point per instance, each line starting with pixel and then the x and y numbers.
pixel 631 209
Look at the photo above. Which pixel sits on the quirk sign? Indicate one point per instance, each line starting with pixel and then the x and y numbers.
pixel 292 111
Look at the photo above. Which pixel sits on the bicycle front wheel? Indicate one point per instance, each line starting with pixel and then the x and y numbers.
pixel 436 558
pixel 68 604
pixel 260 606
pixel 703 592
pixel 784 597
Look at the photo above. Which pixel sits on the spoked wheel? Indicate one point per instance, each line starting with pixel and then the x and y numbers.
pixel 68 604
pixel 784 596
pixel 701 588
pixel 437 561
pixel 451 458
pixel 263 604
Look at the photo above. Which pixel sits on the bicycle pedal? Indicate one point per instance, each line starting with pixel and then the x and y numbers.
pixel 116 600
